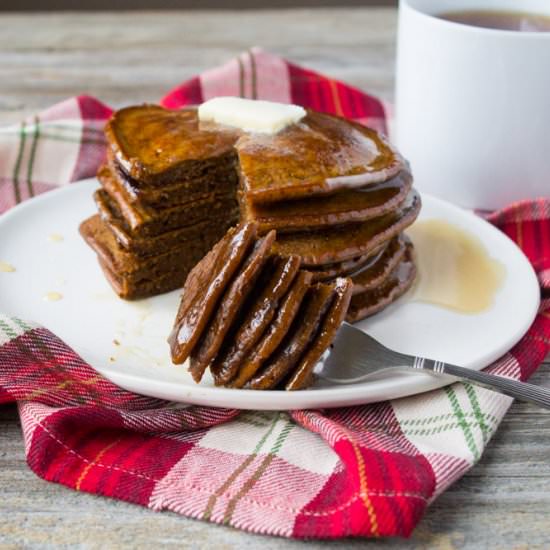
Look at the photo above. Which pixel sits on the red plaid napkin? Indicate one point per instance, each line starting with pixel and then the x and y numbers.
pixel 368 470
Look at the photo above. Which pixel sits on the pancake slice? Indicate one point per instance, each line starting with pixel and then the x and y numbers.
pixel 319 155
pixel 395 285
pixel 216 175
pixel 373 275
pixel 127 264
pixel 342 243
pixel 329 272
pixel 304 329
pixel 276 332
pixel 280 275
pixel 157 146
pixel 130 288
pixel 317 212
pixel 205 286
pixel 206 233
pixel 302 377
pixel 230 306
pixel 142 222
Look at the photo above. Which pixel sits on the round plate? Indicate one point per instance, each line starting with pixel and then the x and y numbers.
pixel 126 341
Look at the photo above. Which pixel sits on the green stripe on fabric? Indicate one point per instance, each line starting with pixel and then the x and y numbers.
pixel 472 396
pixel 7 330
pixel 17 167
pixel 242 466
pixel 259 471
pixel 35 135
pixel 69 139
pixel 21 324
pixel 449 426
pixel 441 417
pixel 29 130
pixel 458 412
pixel 76 128
pixel 253 73
pixel 282 436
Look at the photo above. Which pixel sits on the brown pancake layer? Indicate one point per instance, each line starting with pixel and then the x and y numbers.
pixel 143 222
pixel 124 263
pixel 394 286
pixel 203 289
pixel 299 338
pixel 215 175
pixel 158 147
pixel 321 154
pixel 347 206
pixel 128 288
pixel 274 334
pixel 341 243
pixel 302 377
pixel 231 305
pixel 277 277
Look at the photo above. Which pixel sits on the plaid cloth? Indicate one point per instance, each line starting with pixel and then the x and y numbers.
pixel 367 470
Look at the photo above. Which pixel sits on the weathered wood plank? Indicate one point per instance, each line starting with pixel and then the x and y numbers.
pixel 133 57
pixel 123 58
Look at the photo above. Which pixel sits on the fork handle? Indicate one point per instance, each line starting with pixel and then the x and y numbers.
pixel 519 390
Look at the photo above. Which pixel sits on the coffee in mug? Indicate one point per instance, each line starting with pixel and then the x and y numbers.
pixel 500 19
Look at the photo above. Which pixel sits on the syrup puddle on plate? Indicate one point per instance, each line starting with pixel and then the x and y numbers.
pixel 5 267
pixel 455 270
pixel 56 238
pixel 52 297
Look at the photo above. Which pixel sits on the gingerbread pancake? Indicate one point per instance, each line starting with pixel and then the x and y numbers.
pixel 394 286
pixel 230 305
pixel 275 333
pixel 205 287
pixel 318 212
pixel 320 155
pixel 341 243
pixel 266 296
pixel 157 146
pixel 302 376
pixel 316 303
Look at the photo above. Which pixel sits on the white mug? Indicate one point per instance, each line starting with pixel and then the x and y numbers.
pixel 473 104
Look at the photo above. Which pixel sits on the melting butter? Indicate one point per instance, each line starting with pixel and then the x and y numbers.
pixel 455 270
pixel 6 267
pixel 251 115
pixel 53 297
pixel 55 238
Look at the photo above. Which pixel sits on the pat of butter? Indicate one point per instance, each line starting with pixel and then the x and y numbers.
pixel 251 115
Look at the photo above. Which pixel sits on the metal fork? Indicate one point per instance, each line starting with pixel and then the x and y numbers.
pixel 356 356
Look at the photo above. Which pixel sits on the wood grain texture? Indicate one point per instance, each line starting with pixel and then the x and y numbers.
pixel 504 502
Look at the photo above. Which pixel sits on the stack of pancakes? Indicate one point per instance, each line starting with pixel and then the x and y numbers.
pixel 338 195
pixel 159 216
pixel 254 317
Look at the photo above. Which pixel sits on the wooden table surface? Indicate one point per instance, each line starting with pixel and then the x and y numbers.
pixel 122 58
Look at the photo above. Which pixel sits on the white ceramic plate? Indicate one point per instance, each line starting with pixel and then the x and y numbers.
pixel 92 320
